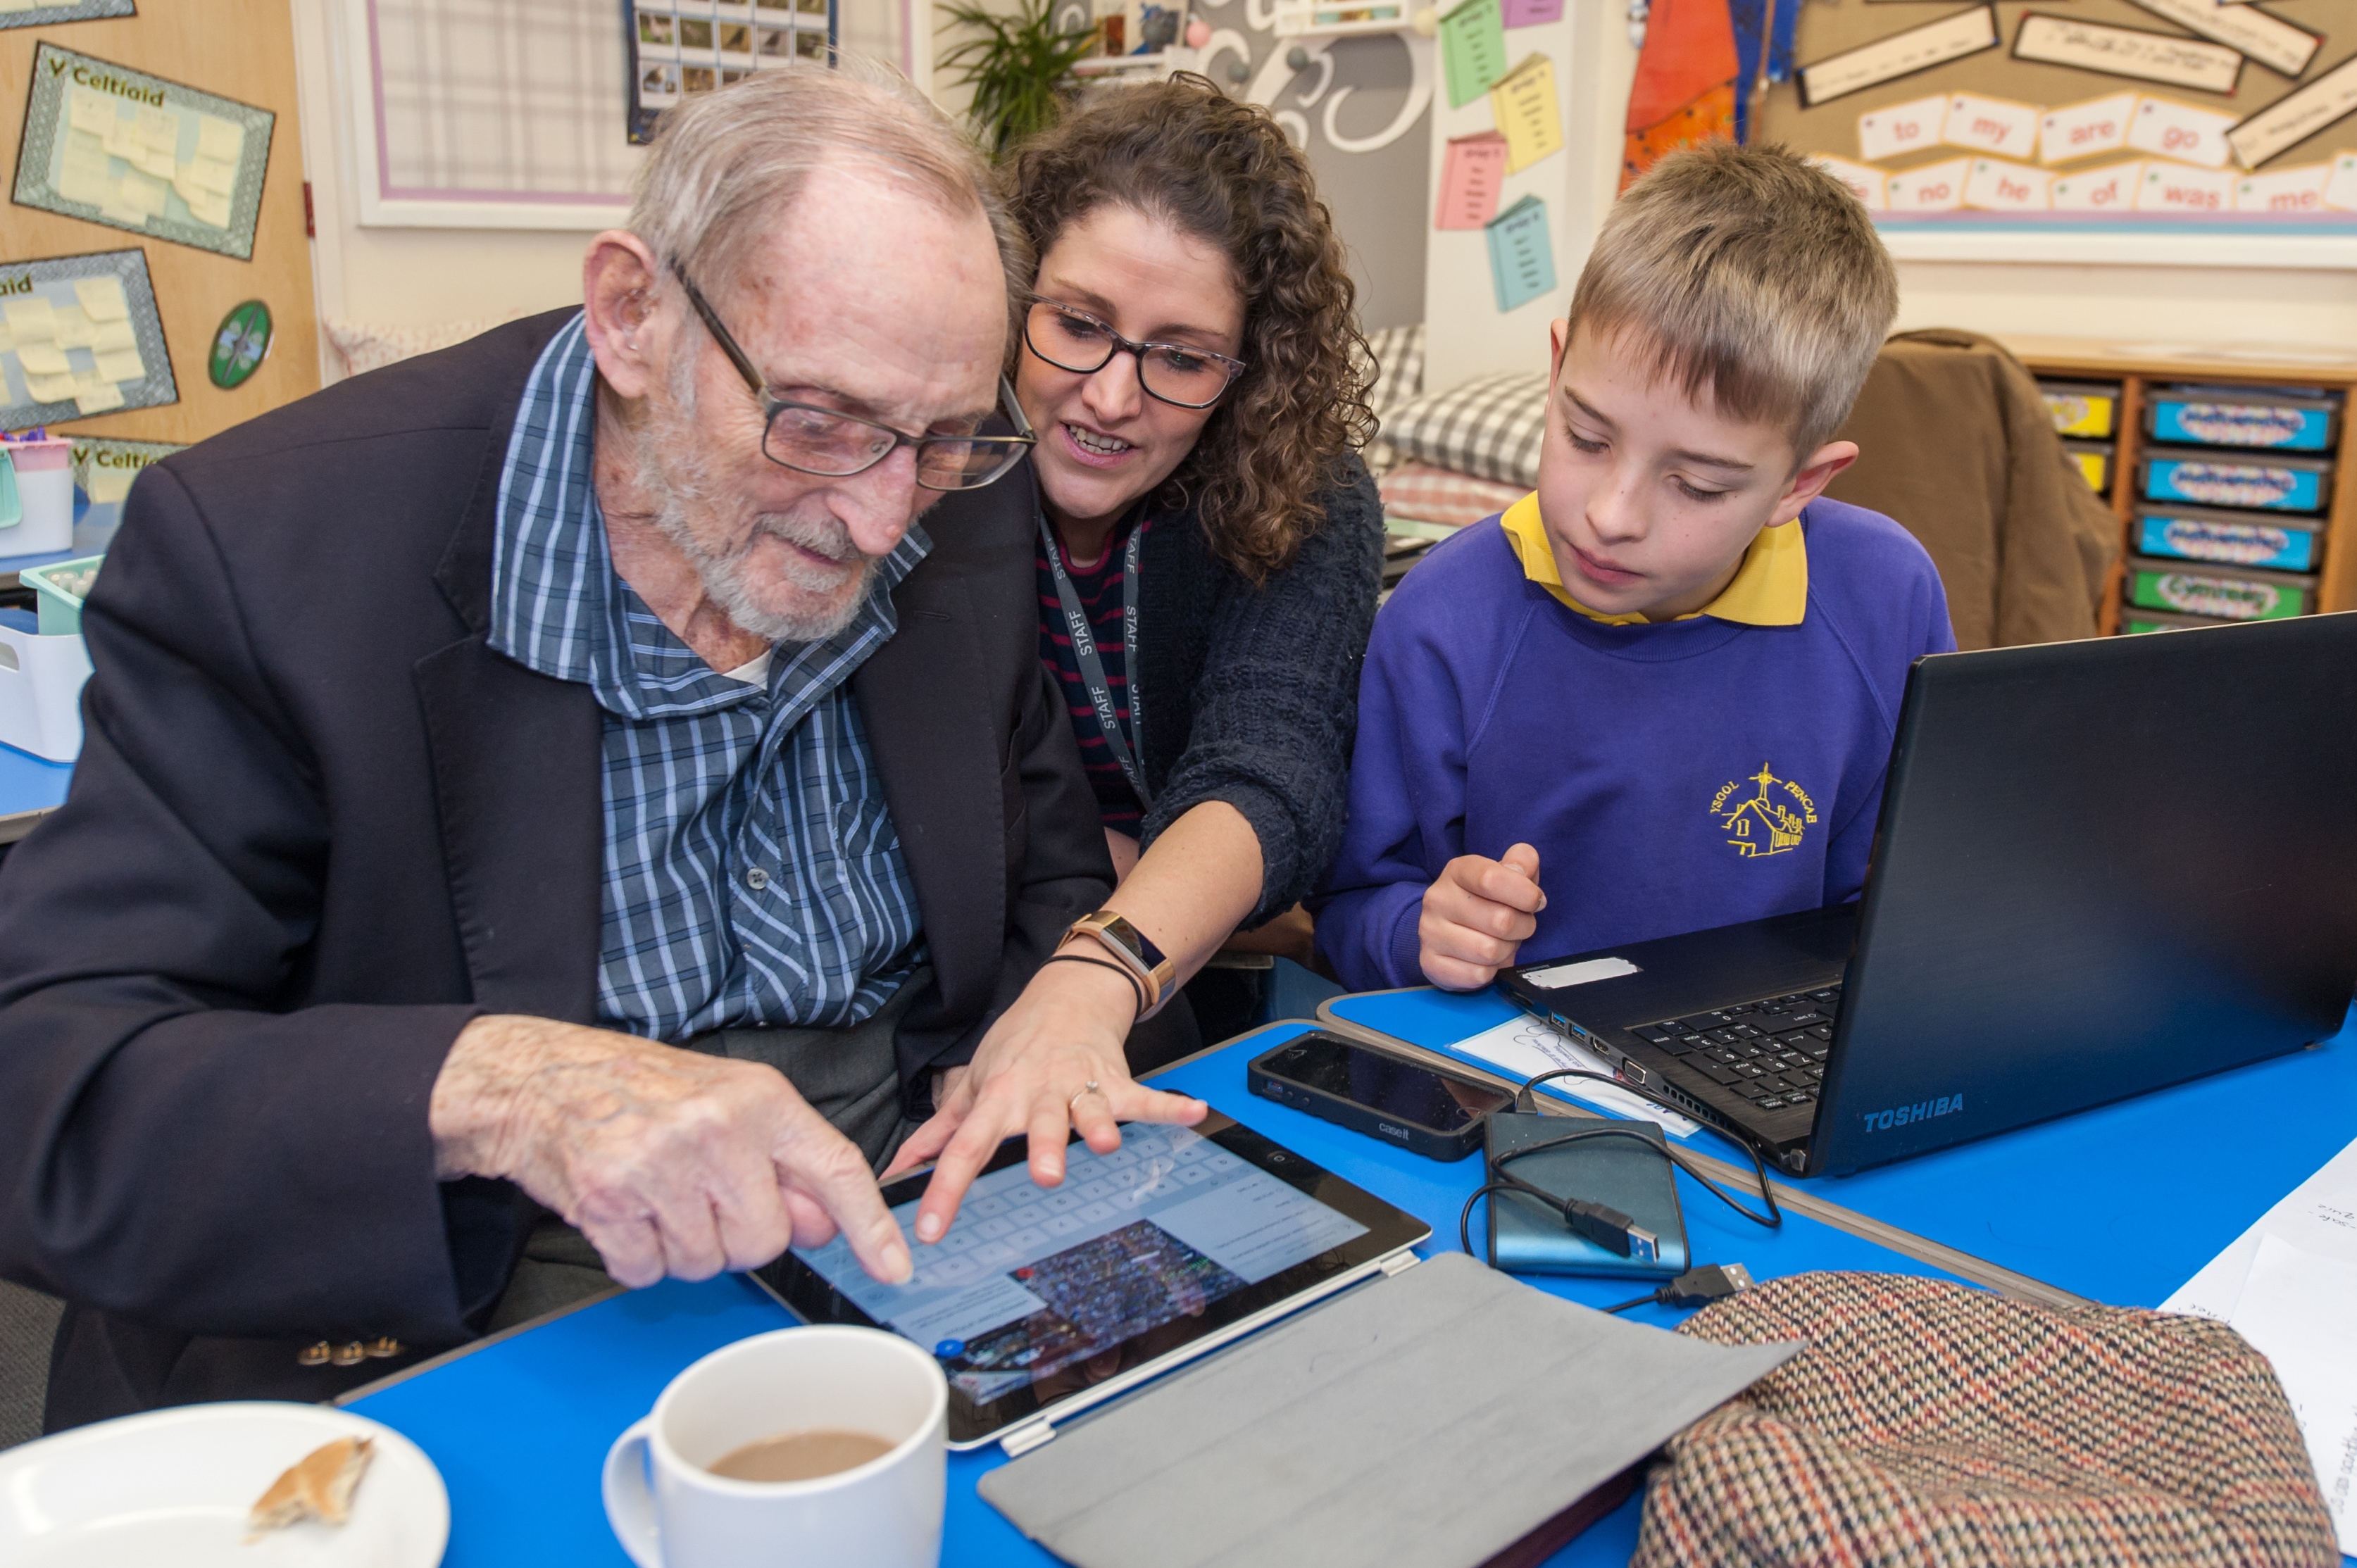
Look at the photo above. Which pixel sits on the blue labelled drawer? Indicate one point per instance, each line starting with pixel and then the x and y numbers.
pixel 2227 593
pixel 2224 479
pixel 2229 416
pixel 2135 621
pixel 2230 538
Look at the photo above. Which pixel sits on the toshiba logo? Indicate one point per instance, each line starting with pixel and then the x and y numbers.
pixel 1924 1111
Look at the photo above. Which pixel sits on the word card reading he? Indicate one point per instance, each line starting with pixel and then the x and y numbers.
pixel 1991 124
pixel 1934 187
pixel 2173 188
pixel 1997 185
pixel 1866 182
pixel 1898 128
pixel 2112 189
pixel 2292 119
pixel 2126 52
pixel 1901 54
pixel 2297 190
pixel 2180 131
pixel 2083 130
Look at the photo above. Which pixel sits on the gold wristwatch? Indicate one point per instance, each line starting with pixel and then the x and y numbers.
pixel 1136 954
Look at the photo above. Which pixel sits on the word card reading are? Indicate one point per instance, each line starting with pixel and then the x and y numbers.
pixel 1992 124
pixel 2182 132
pixel 1898 128
pixel 2112 189
pixel 2082 130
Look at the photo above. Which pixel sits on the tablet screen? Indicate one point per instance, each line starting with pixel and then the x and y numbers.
pixel 1037 1293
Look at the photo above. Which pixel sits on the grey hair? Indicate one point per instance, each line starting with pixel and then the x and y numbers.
pixel 728 167
pixel 1750 278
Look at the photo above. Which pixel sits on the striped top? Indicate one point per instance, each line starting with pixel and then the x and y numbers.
pixel 1099 589
pixel 752 872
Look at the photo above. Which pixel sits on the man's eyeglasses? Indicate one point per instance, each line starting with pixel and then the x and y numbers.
pixel 814 440
pixel 1174 372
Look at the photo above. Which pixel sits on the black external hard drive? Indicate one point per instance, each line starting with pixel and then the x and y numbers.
pixel 1629 1170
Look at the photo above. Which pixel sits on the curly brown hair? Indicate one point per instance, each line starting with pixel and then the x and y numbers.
pixel 1183 152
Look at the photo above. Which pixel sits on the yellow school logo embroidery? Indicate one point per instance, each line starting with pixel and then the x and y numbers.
pixel 1764 823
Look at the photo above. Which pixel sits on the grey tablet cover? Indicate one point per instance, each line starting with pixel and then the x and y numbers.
pixel 1427 1420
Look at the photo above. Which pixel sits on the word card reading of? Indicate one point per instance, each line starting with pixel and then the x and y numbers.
pixel 110 145
pixel 2292 119
pixel 78 335
pixel 2126 52
pixel 2112 189
pixel 2082 130
pixel 1901 54
pixel 1898 128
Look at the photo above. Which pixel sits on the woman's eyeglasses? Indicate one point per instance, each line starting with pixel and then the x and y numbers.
pixel 1173 373
pixel 814 440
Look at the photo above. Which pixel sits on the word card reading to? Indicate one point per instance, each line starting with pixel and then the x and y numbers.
pixel 1901 54
pixel 1902 128
pixel 78 335
pixel 2126 52
pixel 110 145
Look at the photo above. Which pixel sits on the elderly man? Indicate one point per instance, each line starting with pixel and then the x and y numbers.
pixel 464 733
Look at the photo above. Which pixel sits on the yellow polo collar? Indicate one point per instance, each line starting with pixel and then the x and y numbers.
pixel 1771 588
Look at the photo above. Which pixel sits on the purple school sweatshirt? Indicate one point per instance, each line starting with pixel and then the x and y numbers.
pixel 1673 778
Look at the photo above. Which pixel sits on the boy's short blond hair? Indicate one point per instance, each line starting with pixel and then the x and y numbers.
pixel 1753 278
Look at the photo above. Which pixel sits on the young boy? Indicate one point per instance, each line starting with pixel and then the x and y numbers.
pixel 1659 694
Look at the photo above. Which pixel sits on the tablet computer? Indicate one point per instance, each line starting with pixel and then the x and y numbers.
pixel 1041 1301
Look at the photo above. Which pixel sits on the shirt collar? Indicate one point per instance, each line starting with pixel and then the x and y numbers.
pixel 558 607
pixel 1771 588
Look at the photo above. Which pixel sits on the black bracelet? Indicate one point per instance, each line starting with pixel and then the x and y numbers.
pixel 1135 985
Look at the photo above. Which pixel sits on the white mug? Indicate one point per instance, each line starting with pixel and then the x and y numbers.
pixel 670 1511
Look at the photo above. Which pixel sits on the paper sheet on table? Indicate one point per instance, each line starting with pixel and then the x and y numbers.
pixel 2320 1216
pixel 1469 173
pixel 2295 1310
pixel 1522 253
pixel 1527 110
pixel 1473 49
pixel 1524 1047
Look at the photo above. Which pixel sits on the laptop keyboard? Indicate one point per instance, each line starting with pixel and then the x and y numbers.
pixel 1772 1052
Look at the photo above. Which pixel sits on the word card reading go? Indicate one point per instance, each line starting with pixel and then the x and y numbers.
pixel 2182 132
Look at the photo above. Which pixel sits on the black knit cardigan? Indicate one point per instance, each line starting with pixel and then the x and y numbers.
pixel 1251 694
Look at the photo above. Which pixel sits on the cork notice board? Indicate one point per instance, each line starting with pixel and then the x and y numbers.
pixel 2184 113
pixel 198 97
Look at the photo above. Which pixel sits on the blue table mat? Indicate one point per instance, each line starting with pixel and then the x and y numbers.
pixel 520 1428
pixel 2121 1204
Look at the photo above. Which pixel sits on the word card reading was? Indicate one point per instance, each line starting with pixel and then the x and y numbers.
pixel 1992 124
pixel 2082 130
pixel 2173 188
pixel 1901 54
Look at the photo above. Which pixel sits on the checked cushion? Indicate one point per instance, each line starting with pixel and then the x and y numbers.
pixel 1931 1424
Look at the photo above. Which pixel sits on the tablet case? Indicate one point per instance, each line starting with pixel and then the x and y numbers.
pixel 1526 1237
pixel 1444 1417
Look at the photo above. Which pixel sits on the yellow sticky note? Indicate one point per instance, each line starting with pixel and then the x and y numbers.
pixel 160 129
pixel 121 139
pixel 158 164
pixel 7 340
pixel 71 328
pixel 31 320
pixel 96 397
pixel 102 299
pixel 21 5
pixel 223 141
pixel 51 389
pixel 88 111
pixel 82 172
pixel 213 175
pixel 212 210
pixel 142 194
pixel 124 365
pixel 42 359
pixel 1524 104
pixel 109 484
pixel 112 337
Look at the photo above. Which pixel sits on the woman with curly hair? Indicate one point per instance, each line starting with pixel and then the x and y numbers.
pixel 1209 545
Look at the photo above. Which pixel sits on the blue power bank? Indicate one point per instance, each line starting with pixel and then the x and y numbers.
pixel 1620 1172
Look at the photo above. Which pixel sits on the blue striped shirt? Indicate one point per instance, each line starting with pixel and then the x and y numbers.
pixel 752 872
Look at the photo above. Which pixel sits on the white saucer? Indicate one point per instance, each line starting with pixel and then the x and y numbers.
pixel 173 1486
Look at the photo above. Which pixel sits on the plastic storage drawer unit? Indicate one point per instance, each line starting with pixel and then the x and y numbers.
pixel 2227 593
pixel 2136 620
pixel 2235 416
pixel 2095 460
pixel 2090 409
pixel 2230 537
pixel 2231 480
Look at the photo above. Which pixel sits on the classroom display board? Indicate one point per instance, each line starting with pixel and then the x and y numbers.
pixel 2184 113
pixel 1477 63
pixel 155 197
pixel 681 48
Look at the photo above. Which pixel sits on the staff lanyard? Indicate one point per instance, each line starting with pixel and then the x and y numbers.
pixel 1092 673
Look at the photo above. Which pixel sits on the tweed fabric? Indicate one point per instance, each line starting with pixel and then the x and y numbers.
pixel 1490 427
pixel 1929 1423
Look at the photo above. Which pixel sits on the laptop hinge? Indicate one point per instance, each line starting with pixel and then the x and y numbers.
pixel 1025 1438
pixel 1400 1262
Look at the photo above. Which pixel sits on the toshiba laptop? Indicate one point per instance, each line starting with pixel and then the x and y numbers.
pixel 2102 867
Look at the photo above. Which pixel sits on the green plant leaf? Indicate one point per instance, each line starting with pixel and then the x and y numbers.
pixel 1019 65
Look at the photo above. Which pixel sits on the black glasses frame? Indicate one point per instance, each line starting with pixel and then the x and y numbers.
pixel 1012 447
pixel 1121 345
